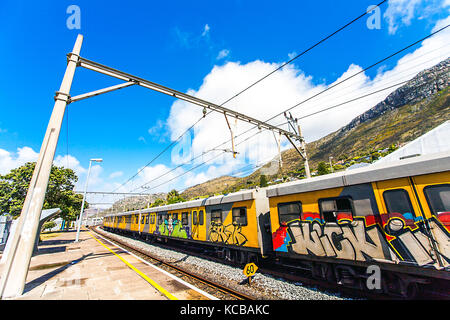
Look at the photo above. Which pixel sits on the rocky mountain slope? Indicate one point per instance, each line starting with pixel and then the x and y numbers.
pixel 422 87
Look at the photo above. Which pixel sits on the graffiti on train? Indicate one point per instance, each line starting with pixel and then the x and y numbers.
pixel 173 228
pixel 388 237
pixel 228 234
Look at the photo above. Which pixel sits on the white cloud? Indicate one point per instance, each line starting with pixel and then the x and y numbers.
pixel 222 54
pixel 116 174
pixel 402 12
pixel 70 162
pixel 205 30
pixel 10 160
pixel 292 55
pixel 154 178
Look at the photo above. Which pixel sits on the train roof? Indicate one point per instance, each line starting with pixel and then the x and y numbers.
pixel 419 165
pixel 216 200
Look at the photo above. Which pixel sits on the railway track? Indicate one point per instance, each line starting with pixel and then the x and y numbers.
pixel 276 271
pixel 288 273
pixel 218 290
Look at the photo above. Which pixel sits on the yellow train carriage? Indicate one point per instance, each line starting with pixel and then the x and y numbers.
pixel 389 214
pixel 231 223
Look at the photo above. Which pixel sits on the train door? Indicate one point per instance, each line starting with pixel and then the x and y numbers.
pixel 433 192
pixel 403 221
pixel 198 224
pixel 151 221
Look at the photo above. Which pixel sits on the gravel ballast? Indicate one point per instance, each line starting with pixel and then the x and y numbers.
pixel 262 286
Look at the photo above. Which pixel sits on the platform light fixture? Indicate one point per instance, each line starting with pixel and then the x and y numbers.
pixel 84 197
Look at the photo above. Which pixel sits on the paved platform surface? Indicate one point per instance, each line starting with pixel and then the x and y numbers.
pixel 94 269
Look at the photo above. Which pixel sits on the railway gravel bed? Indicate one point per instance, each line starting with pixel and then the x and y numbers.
pixel 263 287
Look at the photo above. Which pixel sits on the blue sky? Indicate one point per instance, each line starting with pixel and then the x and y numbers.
pixel 179 44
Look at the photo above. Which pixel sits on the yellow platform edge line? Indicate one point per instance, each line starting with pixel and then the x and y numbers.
pixel 153 283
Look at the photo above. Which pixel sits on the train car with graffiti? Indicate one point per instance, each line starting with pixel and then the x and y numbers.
pixel 227 224
pixel 394 217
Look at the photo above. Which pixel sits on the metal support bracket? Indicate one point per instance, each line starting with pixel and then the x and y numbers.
pixel 94 66
pixel 293 122
pixel 101 91
pixel 62 96
pixel 232 136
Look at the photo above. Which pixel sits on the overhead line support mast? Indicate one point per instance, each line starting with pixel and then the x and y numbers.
pixel 131 80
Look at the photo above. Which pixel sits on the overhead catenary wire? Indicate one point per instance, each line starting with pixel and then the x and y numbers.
pixel 304 52
pixel 320 111
pixel 159 154
pixel 258 132
pixel 254 83
pixel 321 92
pixel 355 74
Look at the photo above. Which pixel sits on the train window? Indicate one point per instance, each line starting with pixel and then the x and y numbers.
pixel 332 208
pixel 289 211
pixel 142 219
pixel 216 216
pixel 175 217
pixel 137 219
pixel 239 216
pixel 194 217
pixel 201 217
pixel 184 218
pixel 160 218
pixel 397 200
pixel 438 198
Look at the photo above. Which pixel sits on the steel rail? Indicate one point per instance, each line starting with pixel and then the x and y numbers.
pixel 223 289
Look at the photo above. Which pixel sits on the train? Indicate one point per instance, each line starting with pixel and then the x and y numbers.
pixel 393 218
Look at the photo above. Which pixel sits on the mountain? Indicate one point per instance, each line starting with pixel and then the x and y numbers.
pixel 422 87
pixel 410 111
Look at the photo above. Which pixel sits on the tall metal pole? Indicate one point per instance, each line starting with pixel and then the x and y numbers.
pixel 82 204
pixel 303 146
pixel 16 266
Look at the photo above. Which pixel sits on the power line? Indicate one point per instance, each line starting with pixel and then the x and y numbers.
pixel 304 52
pixel 306 116
pixel 371 66
pixel 348 78
pixel 253 84
pixel 159 154
pixel 204 162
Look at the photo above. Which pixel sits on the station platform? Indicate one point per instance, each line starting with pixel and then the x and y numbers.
pixel 96 269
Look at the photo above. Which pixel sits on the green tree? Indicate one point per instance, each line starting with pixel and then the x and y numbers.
pixel 158 202
pixel 174 197
pixel 48 225
pixel 392 148
pixel 263 181
pixel 14 187
pixel 322 168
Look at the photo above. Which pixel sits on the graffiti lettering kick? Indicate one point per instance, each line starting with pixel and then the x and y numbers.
pixel 394 238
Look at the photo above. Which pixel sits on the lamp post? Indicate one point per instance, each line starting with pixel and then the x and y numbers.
pixel 331 164
pixel 84 197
